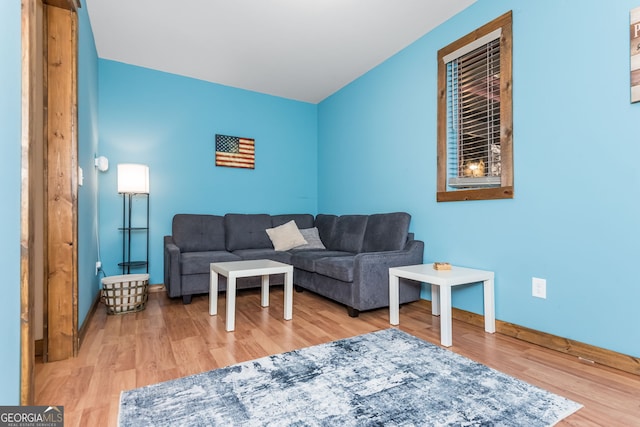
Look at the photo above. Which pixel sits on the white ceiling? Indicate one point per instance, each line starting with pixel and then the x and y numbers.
pixel 299 49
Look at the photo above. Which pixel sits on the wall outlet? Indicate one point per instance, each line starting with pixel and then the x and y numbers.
pixel 98 267
pixel 538 287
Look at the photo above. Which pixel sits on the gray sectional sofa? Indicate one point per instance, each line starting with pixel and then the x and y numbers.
pixel 348 264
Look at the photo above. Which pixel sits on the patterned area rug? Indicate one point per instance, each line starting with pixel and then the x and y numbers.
pixel 385 378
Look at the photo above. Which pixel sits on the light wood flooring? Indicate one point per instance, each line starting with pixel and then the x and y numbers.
pixel 170 340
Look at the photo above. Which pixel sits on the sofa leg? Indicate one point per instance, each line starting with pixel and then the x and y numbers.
pixel 298 288
pixel 186 299
pixel 353 312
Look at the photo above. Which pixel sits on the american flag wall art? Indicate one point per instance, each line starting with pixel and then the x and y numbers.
pixel 235 152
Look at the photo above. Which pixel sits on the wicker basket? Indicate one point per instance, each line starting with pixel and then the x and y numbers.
pixel 125 293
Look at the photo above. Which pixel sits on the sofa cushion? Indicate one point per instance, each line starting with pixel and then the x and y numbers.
pixel 325 225
pixel 313 239
pixel 302 220
pixel 285 236
pixel 348 234
pixel 193 233
pixel 340 268
pixel 306 260
pixel 264 253
pixel 386 232
pixel 198 262
pixel 247 231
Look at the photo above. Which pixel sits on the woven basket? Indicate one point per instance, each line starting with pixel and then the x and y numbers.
pixel 125 293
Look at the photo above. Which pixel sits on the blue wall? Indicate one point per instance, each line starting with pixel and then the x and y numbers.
pixel 88 282
pixel 574 219
pixel 169 123
pixel 10 117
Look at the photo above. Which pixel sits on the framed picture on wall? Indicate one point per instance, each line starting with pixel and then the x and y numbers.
pixel 235 152
pixel 635 54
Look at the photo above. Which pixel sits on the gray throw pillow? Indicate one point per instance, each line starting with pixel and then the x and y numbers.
pixel 313 239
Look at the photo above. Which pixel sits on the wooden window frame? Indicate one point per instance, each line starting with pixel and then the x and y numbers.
pixel 505 190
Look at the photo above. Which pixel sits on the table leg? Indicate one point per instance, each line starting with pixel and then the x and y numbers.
pixel 288 295
pixel 489 307
pixel 231 302
pixel 445 316
pixel 394 299
pixel 213 293
pixel 265 291
pixel 435 300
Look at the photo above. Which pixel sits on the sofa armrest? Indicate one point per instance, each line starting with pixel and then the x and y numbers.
pixel 371 273
pixel 172 268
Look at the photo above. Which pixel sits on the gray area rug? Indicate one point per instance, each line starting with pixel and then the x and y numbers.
pixel 385 378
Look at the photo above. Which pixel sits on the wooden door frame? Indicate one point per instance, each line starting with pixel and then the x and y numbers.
pixel 49 154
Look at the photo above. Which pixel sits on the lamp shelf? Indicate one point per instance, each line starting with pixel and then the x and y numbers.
pixel 133 264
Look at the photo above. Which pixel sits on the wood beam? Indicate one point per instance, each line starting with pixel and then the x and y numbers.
pixel 32 200
pixel 62 177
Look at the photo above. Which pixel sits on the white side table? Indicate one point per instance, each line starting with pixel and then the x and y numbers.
pixel 441 282
pixel 234 269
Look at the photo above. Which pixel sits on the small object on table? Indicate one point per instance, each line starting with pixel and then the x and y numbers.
pixel 441 266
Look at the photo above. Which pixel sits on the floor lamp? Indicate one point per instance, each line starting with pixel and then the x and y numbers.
pixel 133 179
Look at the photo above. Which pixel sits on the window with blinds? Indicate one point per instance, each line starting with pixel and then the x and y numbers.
pixel 474 115
pixel 473 124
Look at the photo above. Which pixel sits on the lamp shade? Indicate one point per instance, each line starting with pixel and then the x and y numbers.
pixel 133 178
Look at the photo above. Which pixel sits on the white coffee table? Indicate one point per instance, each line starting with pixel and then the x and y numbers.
pixel 441 282
pixel 235 269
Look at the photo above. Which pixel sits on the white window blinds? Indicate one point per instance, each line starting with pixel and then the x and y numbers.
pixel 473 114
